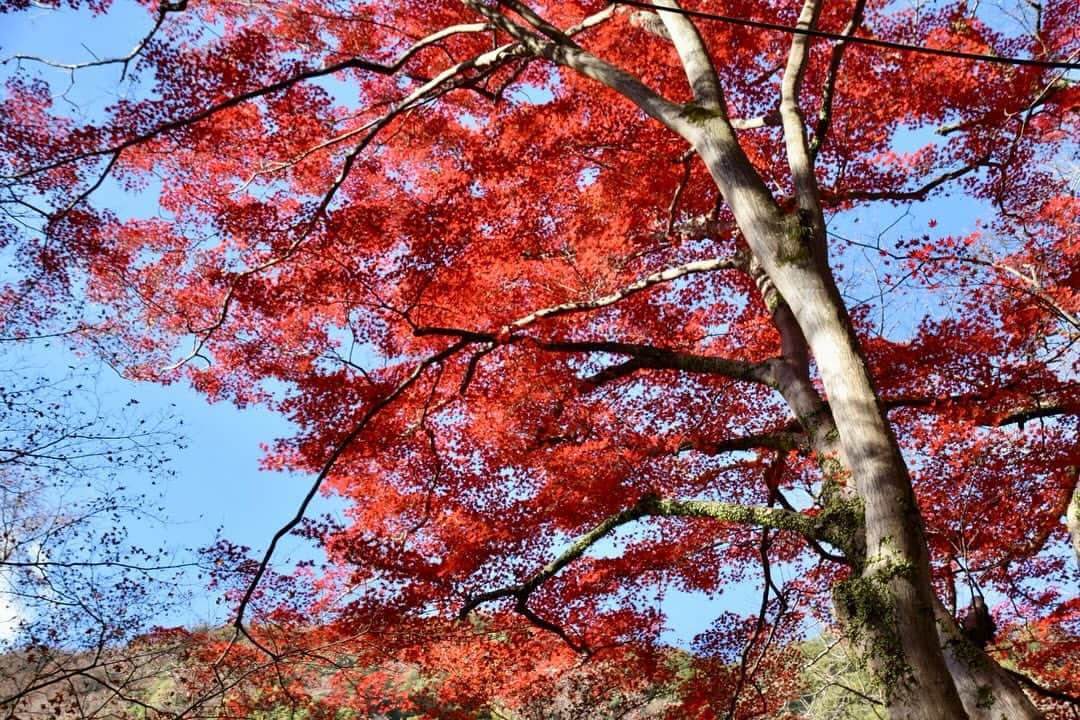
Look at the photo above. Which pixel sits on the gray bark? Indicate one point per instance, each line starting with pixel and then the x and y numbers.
pixel 899 627
pixel 987 691
pixel 1072 518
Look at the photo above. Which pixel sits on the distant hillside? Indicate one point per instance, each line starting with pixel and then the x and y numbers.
pixel 168 676
pixel 136 681
pixel 164 678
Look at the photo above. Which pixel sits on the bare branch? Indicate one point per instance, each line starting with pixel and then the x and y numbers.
pixel 522 608
pixel 328 465
pixel 1059 695
pixel 770 120
pixel 650 506
pixel 679 190
pixel 918 193
pixel 990 413
pixel 1034 289
pixel 735 513
pixel 694 55
pixel 793 345
pixel 782 441
pixel 656 278
pixel 654 358
pixel 745 671
pixel 799 158
pixel 646 356
pixel 611 374
pixel 534 19
pixel 651 23
pixel 821 130
pixel 124 61
pixel 703 226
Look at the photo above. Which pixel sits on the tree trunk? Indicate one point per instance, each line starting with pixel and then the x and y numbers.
pixel 987 691
pixel 888 603
pixel 1072 517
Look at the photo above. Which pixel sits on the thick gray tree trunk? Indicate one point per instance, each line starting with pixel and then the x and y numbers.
pixel 987 691
pixel 889 605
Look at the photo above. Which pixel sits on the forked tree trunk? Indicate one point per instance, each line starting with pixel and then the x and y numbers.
pixel 888 605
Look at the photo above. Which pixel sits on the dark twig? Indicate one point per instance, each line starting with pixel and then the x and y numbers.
pixel 328 465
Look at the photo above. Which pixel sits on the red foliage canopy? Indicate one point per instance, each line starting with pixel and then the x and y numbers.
pixel 470 249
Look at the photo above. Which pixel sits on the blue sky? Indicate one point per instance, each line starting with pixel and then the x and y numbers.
pixel 216 481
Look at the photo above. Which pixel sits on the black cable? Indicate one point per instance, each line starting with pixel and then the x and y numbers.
pixel 1055 64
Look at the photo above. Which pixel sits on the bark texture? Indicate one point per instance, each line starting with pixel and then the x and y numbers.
pixel 889 604
pixel 987 691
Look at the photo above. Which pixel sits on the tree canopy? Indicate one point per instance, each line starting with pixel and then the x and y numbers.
pixel 574 304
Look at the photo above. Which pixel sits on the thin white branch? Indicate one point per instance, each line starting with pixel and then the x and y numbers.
pixel 694 56
pixel 656 278
pixel 798 151
pixel 770 120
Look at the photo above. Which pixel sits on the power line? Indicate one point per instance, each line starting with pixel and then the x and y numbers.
pixel 1055 64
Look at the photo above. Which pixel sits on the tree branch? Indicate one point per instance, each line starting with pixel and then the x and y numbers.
pixel 799 159
pixel 735 513
pixel 770 120
pixel 651 506
pixel 484 60
pixel 656 278
pixel 534 19
pixel 821 130
pixel 1023 679
pixel 653 358
pixel 125 61
pixel 1034 289
pixel 572 56
pixel 781 441
pixel 793 345
pixel 918 193
pixel 694 56
pixel 1061 402
pixel 328 465
pixel 268 89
